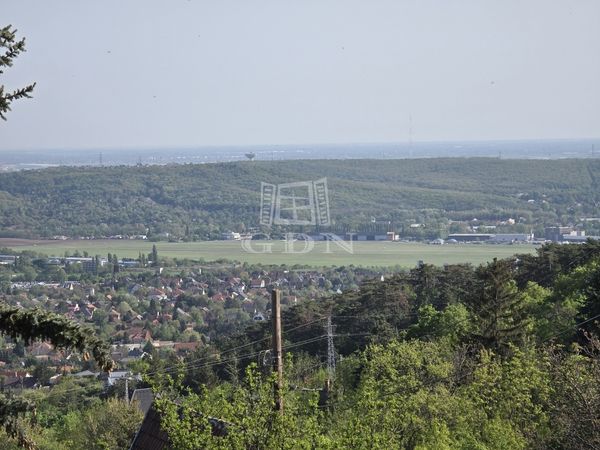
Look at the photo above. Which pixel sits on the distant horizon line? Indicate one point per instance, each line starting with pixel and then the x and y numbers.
pixel 318 144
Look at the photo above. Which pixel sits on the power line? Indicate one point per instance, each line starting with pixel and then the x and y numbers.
pixel 196 364
pixel 268 337
pixel 577 325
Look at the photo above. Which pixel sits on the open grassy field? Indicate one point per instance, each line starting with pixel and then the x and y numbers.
pixel 363 253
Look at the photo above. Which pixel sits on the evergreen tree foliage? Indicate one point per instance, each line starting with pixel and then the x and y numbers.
pixel 33 324
pixel 28 326
pixel 11 48
pixel 498 306
pixel 154 256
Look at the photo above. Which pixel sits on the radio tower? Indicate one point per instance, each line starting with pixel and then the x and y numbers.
pixel 410 136
pixel 330 351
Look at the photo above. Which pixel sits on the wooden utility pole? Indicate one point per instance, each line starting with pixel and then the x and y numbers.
pixel 277 356
pixel 127 390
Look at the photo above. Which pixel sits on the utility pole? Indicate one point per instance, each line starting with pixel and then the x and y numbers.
pixel 126 390
pixel 277 357
pixel 326 391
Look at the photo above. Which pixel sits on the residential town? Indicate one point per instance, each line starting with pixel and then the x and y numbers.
pixel 146 311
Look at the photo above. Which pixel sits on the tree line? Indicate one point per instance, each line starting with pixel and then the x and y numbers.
pixel 197 202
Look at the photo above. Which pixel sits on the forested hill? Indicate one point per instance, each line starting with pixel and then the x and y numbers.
pixel 200 201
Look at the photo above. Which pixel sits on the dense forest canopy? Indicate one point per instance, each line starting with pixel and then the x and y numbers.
pixel 201 201
pixel 504 355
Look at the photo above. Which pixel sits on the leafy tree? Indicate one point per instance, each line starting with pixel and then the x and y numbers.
pixel 587 289
pixel 242 416
pixel 43 373
pixel 575 404
pixel 11 412
pixel 453 323
pixel 12 48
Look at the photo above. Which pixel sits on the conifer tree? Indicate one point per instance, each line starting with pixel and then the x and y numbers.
pixel 10 48
pixel 29 325
pixel 498 306
pixel 154 256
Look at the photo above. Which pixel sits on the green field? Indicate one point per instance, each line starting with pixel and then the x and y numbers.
pixel 363 253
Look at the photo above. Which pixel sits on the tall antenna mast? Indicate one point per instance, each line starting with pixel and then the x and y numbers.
pixel 330 351
pixel 410 136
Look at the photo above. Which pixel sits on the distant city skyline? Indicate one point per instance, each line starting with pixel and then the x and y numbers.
pixel 185 74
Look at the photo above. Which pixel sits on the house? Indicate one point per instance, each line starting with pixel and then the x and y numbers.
pixel 87 264
pixel 136 287
pixel 20 382
pixel 88 311
pixel 54 261
pixel 248 305
pixel 230 236
pixel 575 239
pixel 55 379
pixel 511 237
pixel 163 344
pixel 185 347
pixel 41 350
pixel 143 399
pixel 7 260
pixel 150 436
pixel 157 294
pixel 470 237
pixel 218 297
pixel 70 285
pixel 367 237
pixel 257 283
pixel 181 313
pixel 139 335
pixel 117 356
pixel 114 316
pixel 128 262
pixel 86 374
pixel 113 377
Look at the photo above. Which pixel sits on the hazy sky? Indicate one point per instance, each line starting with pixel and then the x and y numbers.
pixel 150 73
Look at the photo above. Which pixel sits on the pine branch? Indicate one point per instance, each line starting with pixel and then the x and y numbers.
pixel 11 53
pixel 7 40
pixel 33 324
pixel 21 93
pixel 13 49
